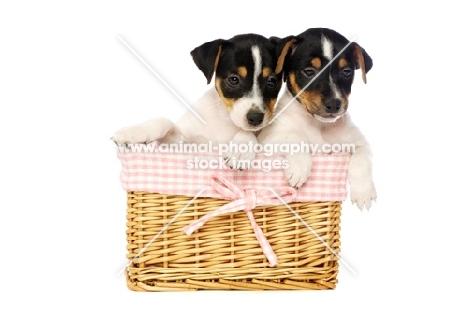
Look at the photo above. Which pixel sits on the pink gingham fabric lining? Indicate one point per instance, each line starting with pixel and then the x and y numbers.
pixel 167 173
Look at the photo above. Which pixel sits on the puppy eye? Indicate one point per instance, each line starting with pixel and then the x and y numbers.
pixel 347 72
pixel 308 72
pixel 233 80
pixel 271 82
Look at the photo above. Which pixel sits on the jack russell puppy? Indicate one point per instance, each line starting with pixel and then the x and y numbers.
pixel 313 109
pixel 248 75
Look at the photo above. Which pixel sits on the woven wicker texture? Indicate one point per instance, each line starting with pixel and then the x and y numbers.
pixel 224 253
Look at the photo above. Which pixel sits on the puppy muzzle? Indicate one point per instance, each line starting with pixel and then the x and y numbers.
pixel 332 109
pixel 255 117
pixel 332 105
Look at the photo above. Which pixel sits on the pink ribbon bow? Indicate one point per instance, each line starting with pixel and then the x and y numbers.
pixel 245 200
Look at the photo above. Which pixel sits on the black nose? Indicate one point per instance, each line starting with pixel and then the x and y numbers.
pixel 332 105
pixel 255 118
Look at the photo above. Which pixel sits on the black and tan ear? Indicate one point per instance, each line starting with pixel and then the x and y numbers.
pixel 284 47
pixel 363 60
pixel 206 57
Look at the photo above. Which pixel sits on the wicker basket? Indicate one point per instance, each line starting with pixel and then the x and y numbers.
pixel 224 253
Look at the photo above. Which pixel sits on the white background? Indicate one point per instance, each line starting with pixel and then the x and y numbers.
pixel 67 83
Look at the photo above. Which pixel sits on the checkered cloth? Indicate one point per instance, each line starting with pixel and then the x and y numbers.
pixel 186 174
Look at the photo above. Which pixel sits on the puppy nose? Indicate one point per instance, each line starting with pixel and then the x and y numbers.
pixel 332 105
pixel 255 118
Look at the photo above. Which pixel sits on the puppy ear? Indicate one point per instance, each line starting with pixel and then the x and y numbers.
pixel 283 51
pixel 206 57
pixel 362 60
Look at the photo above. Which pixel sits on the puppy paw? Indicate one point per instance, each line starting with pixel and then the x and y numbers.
pixel 149 131
pixel 239 161
pixel 298 170
pixel 362 194
pixel 130 135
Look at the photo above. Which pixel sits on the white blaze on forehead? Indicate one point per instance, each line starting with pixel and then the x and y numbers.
pixel 257 72
pixel 253 100
pixel 327 48
pixel 334 88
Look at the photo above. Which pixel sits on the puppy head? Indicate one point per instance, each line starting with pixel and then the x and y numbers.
pixel 248 72
pixel 324 90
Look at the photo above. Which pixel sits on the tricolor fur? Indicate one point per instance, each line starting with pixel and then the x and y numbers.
pixel 327 96
pixel 248 76
pixel 315 107
pixel 248 73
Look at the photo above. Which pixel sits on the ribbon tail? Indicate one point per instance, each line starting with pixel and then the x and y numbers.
pixel 234 206
pixel 266 247
pixel 195 225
